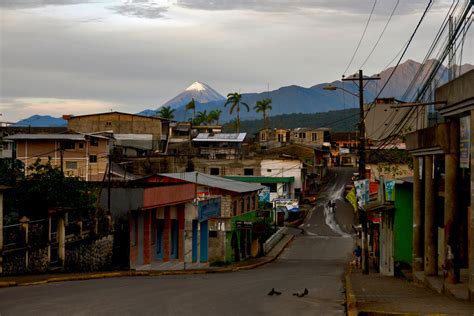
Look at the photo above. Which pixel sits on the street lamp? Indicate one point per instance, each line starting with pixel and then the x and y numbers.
pixel 334 88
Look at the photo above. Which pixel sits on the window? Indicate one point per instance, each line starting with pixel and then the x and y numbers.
pixel 314 137
pixel 108 123
pixel 213 233
pixel 69 145
pixel 94 142
pixel 215 171
pixel 81 145
pixel 263 136
pixel 248 171
pixel 71 164
pixel 242 205
pixel 93 158
pixel 248 204
pixel 234 209
pixel 269 170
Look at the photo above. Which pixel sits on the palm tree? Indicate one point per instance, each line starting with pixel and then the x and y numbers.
pixel 191 106
pixel 202 117
pixel 166 112
pixel 263 106
pixel 215 115
pixel 235 100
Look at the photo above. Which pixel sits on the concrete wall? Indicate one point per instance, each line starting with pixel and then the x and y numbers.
pixel 227 167
pixel 120 123
pixel 283 168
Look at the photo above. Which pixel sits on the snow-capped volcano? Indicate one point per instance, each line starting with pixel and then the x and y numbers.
pixel 201 92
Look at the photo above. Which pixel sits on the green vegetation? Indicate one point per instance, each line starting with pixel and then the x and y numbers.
pixel 264 106
pixel 166 112
pixel 235 101
pixel 339 121
pixel 45 188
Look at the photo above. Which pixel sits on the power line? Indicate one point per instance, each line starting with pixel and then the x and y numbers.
pixel 362 37
pixel 403 53
pixel 380 36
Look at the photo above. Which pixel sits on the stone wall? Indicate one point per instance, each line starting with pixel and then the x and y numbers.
pixel 38 260
pixel 89 255
pixel 14 262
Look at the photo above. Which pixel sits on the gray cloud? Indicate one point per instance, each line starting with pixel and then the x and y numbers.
pixel 21 4
pixel 346 6
pixel 139 9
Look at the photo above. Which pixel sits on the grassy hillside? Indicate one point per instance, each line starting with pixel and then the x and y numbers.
pixel 339 121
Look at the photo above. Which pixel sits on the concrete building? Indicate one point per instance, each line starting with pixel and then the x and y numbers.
pixel 219 146
pixel 231 236
pixel 443 221
pixel 270 138
pixel 79 155
pixel 311 136
pixel 122 123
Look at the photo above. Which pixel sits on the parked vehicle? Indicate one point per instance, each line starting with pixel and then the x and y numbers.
pixel 309 198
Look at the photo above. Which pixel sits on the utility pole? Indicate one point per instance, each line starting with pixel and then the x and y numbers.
pixel 363 218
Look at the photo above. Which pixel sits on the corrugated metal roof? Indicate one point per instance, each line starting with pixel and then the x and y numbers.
pixel 262 179
pixel 220 137
pixel 214 181
pixel 46 137
pixel 75 136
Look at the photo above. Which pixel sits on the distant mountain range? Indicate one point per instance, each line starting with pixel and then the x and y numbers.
pixel 41 121
pixel 296 99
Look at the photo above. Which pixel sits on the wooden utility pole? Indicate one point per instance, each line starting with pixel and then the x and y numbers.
pixel 364 222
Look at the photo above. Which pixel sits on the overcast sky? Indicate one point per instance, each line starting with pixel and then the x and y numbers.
pixel 84 56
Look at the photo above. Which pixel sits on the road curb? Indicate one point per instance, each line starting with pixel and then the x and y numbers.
pixel 351 301
pixel 7 284
pixel 130 273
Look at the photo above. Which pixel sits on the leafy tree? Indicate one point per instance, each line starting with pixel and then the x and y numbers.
pixel 263 106
pixel 215 115
pixel 202 117
pixel 166 112
pixel 46 187
pixel 10 173
pixel 235 101
pixel 191 106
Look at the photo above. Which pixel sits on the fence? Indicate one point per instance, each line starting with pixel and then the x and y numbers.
pixel 46 244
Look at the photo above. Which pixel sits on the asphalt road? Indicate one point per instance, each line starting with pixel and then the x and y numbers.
pixel 314 260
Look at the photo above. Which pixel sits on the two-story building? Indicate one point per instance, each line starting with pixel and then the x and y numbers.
pixel 80 155
pixel 122 123
pixel 220 145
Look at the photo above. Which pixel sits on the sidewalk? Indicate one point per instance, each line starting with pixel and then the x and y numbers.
pixel 375 294
pixel 253 263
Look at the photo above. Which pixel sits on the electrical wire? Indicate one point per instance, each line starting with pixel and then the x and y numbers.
pixel 381 34
pixel 362 37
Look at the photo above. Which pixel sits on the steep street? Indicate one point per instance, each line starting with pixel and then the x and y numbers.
pixel 314 260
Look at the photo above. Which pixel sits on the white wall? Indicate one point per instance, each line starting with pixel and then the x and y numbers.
pixel 283 168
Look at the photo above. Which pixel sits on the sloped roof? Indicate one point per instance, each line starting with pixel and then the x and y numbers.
pixel 77 137
pixel 214 181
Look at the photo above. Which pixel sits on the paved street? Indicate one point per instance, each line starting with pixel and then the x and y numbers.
pixel 314 260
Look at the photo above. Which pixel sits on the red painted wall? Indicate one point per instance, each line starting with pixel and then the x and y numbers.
pixel 168 195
